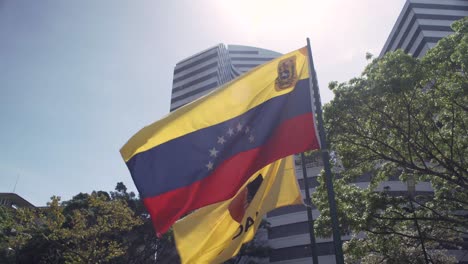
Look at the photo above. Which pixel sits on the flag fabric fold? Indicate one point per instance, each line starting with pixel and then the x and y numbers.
pixel 215 233
pixel 203 152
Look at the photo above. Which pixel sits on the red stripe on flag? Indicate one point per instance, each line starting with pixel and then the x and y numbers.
pixel 292 136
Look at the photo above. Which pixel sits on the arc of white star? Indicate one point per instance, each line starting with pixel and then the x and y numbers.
pixel 251 138
pixel 247 129
pixel 209 165
pixel 221 140
pixel 213 152
pixel 230 132
pixel 239 127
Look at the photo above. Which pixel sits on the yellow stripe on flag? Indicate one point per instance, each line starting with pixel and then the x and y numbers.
pixel 215 233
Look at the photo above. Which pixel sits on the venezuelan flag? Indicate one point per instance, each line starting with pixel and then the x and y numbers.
pixel 204 152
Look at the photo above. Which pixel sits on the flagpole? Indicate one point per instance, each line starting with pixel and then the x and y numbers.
pixel 313 244
pixel 326 159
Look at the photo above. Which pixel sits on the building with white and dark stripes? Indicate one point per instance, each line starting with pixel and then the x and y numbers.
pixel 203 72
pixel 422 23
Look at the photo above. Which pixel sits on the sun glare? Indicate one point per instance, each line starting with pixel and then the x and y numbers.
pixel 258 19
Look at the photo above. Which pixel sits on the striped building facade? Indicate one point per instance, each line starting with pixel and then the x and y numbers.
pixel 203 72
pixel 422 23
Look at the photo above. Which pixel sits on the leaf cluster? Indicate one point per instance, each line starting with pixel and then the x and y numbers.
pixel 99 227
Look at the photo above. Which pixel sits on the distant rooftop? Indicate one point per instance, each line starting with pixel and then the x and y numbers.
pixel 14 200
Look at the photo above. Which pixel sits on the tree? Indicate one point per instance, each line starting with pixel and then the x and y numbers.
pixel 88 233
pixel 6 223
pixel 143 246
pixel 99 227
pixel 402 118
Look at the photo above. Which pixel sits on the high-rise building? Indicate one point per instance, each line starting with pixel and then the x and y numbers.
pixel 422 23
pixel 203 72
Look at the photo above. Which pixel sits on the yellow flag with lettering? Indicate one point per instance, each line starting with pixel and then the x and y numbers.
pixel 215 233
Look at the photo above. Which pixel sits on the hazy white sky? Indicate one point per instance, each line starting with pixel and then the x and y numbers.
pixel 78 78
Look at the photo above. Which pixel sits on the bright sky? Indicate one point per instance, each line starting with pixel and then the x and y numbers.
pixel 79 78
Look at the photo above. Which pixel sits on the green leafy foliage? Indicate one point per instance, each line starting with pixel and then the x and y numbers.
pixel 90 228
pixel 403 118
pixel 85 234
